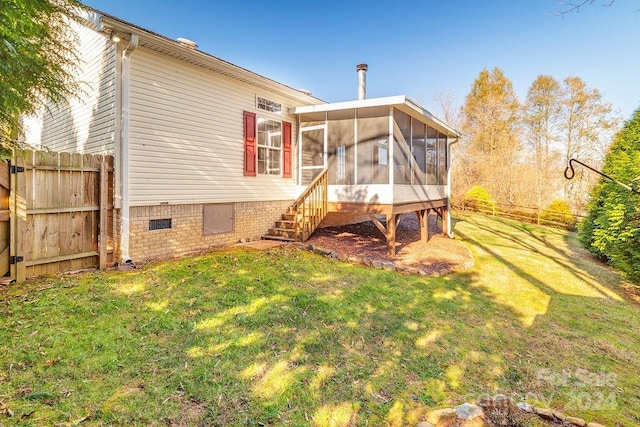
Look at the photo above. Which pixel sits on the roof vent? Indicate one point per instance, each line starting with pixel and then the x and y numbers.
pixel 189 44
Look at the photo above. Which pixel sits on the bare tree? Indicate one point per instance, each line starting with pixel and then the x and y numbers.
pixel 587 122
pixel 541 120
pixel 569 7
pixel 446 107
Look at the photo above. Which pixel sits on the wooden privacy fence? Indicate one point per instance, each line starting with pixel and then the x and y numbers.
pixel 56 213
pixel 532 214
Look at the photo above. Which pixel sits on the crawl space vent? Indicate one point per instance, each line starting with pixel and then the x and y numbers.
pixel 159 224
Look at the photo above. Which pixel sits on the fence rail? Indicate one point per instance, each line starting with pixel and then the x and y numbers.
pixel 531 214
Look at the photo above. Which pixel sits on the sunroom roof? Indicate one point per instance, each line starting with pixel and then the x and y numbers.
pixel 400 102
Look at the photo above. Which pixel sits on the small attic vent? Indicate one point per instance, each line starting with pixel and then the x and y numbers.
pixel 268 105
pixel 189 44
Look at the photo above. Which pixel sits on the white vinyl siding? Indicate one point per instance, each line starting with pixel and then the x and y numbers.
pixel 186 136
pixel 85 123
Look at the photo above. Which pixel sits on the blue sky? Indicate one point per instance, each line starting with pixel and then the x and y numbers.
pixel 413 48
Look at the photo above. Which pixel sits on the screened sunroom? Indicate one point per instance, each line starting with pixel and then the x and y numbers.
pixel 382 156
pixel 379 153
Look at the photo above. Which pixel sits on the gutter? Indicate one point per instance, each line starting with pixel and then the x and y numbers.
pixel 124 146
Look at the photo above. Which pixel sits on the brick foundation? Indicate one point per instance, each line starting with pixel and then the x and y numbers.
pixel 252 220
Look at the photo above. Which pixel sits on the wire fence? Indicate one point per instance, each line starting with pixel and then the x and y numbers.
pixel 530 214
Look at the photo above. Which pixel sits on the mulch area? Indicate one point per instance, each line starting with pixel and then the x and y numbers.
pixel 441 255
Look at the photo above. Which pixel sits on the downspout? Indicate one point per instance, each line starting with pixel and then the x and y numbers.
pixel 449 222
pixel 124 148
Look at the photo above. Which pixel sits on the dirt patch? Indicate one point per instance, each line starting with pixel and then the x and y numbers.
pixel 441 255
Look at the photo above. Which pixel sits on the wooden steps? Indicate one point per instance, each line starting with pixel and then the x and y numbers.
pixel 304 215
pixel 285 229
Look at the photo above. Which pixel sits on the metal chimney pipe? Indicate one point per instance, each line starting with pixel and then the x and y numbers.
pixel 362 81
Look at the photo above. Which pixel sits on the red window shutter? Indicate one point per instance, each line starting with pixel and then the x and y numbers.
pixel 286 150
pixel 249 144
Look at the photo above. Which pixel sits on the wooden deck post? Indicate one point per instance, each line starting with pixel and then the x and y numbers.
pixel 391 234
pixel 445 221
pixel 423 219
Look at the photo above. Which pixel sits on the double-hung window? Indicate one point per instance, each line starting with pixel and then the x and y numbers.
pixel 269 146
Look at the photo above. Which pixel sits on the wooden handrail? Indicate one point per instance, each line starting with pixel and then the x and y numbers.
pixel 310 188
pixel 312 205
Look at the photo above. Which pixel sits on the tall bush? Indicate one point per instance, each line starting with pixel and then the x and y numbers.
pixel 558 212
pixel 478 198
pixel 612 228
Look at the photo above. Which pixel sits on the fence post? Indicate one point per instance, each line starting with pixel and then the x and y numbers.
pixel 18 207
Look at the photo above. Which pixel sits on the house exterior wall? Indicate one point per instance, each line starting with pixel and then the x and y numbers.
pixel 186 135
pixel 252 219
pixel 86 123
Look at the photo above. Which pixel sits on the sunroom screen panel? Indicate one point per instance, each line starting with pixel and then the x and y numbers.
pixel 432 156
pixel 373 150
pixel 401 150
pixel 442 159
pixel 418 149
pixel 341 146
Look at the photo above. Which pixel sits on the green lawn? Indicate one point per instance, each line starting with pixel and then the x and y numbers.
pixel 286 337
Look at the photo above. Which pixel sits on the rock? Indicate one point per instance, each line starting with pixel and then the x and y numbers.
pixel 413 270
pixel 468 411
pixel 526 407
pixel 424 424
pixel 389 266
pixel 502 401
pixel 576 421
pixel 334 255
pixel 559 415
pixel 355 260
pixel 544 413
pixel 376 264
pixel 321 251
pixel 343 257
pixel 442 417
pixel 594 425
pixel 485 401
pixel 243 240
